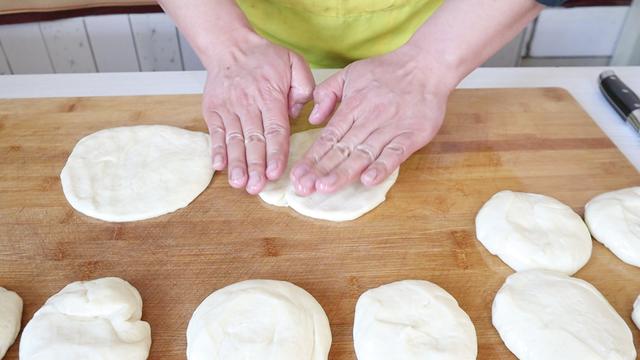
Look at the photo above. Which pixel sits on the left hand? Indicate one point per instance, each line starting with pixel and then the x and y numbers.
pixel 391 106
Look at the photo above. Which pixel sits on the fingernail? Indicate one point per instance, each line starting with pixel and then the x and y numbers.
pixel 299 171
pixel 272 167
pixel 236 175
pixel 327 181
pixel 370 175
pixel 314 113
pixel 295 110
pixel 217 161
pixel 308 182
pixel 254 179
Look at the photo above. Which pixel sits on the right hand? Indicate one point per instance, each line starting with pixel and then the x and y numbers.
pixel 252 88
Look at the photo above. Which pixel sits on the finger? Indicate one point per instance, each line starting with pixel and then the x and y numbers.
pixel 234 139
pixel 254 144
pixel 276 132
pixel 326 97
pixel 360 130
pixel 304 175
pixel 302 84
pixel 363 155
pixel 217 134
pixel 393 154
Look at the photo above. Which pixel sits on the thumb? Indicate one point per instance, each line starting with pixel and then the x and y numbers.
pixel 326 97
pixel 302 84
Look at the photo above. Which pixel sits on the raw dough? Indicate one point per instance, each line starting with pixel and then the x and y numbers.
pixel 10 315
pixel 412 319
pixel 636 312
pixel 531 231
pixel 259 319
pixel 347 204
pixel 548 315
pixel 136 172
pixel 98 319
pixel 614 220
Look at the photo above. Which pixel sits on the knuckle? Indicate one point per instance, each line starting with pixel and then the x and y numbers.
pixel 397 149
pixel 345 173
pixel 216 130
pixel 344 150
pixel 254 138
pixel 275 130
pixel 217 148
pixel 367 151
pixel 304 90
pixel 234 136
pixel 321 92
pixel 255 164
pixel 330 135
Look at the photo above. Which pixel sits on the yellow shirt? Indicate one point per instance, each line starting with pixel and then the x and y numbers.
pixel 333 33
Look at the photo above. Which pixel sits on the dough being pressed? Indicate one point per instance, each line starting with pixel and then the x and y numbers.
pixel 412 319
pixel 636 312
pixel 349 203
pixel 614 220
pixel 531 231
pixel 136 172
pixel 97 319
pixel 259 319
pixel 10 315
pixel 543 314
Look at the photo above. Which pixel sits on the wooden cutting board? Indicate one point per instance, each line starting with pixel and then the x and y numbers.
pixel 534 140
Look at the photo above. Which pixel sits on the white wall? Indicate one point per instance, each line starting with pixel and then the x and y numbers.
pixel 150 42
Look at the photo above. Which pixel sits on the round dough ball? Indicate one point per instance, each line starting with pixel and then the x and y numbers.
pixel 259 319
pixel 10 316
pixel 531 231
pixel 97 319
pixel 412 319
pixel 614 220
pixel 636 312
pixel 136 172
pixel 349 203
pixel 543 314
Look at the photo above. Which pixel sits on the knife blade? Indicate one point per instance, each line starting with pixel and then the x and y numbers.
pixel 621 97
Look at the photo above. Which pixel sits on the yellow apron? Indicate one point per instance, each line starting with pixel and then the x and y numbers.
pixel 333 33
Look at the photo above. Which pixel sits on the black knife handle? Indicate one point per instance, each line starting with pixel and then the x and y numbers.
pixel 623 99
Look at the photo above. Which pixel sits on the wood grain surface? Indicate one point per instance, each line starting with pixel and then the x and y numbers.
pixel 534 140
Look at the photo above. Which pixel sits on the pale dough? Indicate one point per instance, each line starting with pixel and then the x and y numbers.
pixel 136 172
pixel 614 220
pixel 349 203
pixel 548 315
pixel 531 231
pixel 636 312
pixel 412 319
pixel 259 319
pixel 98 319
pixel 10 315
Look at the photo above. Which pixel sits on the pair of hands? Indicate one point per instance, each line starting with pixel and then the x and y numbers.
pixel 386 108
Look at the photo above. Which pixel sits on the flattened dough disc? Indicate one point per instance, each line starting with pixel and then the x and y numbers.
pixel 349 203
pixel 259 319
pixel 412 320
pixel 543 314
pixel 136 172
pixel 531 231
pixel 614 220
pixel 10 316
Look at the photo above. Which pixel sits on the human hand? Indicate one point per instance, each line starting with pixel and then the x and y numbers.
pixel 391 106
pixel 252 88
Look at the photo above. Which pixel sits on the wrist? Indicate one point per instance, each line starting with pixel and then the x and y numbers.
pixel 214 46
pixel 442 73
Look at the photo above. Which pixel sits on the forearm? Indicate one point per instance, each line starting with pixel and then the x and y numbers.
pixel 463 34
pixel 208 25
